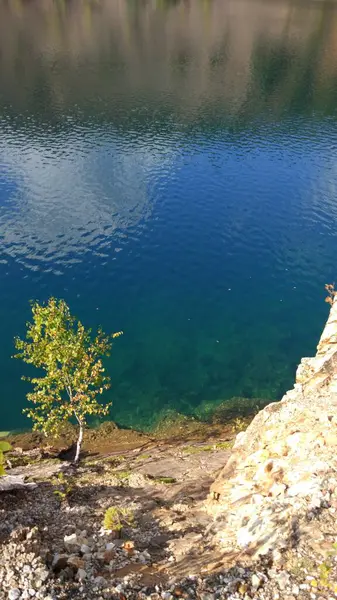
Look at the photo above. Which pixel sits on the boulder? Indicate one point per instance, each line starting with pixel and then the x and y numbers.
pixel 14 482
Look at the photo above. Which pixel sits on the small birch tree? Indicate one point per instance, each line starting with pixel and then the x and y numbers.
pixel 72 373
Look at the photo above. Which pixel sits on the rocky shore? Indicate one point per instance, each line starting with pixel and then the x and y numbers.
pixel 208 513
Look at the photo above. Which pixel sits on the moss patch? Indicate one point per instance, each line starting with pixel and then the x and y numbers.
pixel 209 447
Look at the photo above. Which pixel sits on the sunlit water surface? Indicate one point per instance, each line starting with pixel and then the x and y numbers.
pixel 170 169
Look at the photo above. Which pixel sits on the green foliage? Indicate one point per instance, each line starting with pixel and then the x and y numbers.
pixel 60 495
pixel 143 457
pixel 122 476
pixel 224 445
pixel 322 575
pixel 166 480
pixel 325 579
pixel 239 424
pixel 4 447
pixel 67 486
pixel 70 360
pixel 116 518
pixel 208 447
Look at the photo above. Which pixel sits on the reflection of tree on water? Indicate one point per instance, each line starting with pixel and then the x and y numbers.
pixel 169 56
pixel 283 77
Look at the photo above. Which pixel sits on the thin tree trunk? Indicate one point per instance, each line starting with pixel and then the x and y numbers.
pixel 79 440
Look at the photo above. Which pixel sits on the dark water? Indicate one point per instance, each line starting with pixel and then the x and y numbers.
pixel 170 169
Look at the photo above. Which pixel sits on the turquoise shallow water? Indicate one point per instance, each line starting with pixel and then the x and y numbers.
pixel 170 170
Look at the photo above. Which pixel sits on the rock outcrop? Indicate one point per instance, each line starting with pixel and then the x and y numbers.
pixel 283 468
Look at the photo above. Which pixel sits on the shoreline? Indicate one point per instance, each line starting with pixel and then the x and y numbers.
pixel 231 415
pixel 108 438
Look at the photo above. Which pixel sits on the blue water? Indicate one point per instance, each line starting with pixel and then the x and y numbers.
pixel 169 169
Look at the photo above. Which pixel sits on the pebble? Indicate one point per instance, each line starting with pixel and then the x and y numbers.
pixel 14 594
pixel 81 574
pixel 283 580
pixel 142 558
pixel 256 581
pixel 70 540
pixel 110 546
pixel 100 581
pixel 26 569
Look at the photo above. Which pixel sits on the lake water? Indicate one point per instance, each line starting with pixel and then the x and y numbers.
pixel 170 169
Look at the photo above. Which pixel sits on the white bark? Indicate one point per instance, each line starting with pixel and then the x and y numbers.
pixel 79 440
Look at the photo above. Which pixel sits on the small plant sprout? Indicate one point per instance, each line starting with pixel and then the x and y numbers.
pixel 4 447
pixel 71 374
pixel 116 518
